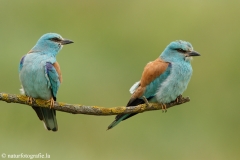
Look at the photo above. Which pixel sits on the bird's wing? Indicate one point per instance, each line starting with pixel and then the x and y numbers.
pixel 21 63
pixel 134 87
pixel 52 72
pixel 53 76
pixel 151 71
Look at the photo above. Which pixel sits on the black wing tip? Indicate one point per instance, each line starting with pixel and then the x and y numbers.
pixel 122 117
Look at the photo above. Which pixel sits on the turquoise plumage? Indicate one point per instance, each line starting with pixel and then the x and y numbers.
pixel 40 75
pixel 164 79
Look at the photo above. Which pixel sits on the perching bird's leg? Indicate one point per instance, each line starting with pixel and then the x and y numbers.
pixel 178 98
pixel 29 100
pixel 146 101
pixel 51 102
pixel 164 108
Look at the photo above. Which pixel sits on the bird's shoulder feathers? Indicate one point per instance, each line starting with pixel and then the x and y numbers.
pixel 52 74
pixel 57 67
pixel 153 70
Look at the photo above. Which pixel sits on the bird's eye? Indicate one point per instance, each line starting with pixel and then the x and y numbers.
pixel 181 50
pixel 55 39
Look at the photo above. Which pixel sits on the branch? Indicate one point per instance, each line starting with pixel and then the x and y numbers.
pixel 89 110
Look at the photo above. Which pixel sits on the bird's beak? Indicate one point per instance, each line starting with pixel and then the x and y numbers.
pixel 192 53
pixel 66 41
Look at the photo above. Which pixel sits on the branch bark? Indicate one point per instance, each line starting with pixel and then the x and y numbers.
pixel 89 110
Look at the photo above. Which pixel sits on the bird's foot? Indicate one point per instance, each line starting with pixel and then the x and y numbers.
pixel 164 108
pixel 51 101
pixel 30 100
pixel 146 101
pixel 178 98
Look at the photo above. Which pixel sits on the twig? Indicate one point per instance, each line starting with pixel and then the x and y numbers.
pixel 89 110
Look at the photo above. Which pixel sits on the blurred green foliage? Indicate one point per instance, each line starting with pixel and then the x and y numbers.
pixel 113 42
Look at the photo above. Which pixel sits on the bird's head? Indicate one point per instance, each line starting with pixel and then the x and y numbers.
pixel 178 50
pixel 50 43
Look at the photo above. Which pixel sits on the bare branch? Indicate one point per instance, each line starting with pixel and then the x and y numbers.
pixel 89 110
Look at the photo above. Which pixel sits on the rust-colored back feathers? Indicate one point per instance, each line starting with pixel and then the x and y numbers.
pixel 151 71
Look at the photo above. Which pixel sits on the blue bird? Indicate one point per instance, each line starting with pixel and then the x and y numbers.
pixel 164 79
pixel 40 75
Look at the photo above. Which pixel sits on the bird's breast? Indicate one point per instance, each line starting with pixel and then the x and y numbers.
pixel 175 84
pixel 33 77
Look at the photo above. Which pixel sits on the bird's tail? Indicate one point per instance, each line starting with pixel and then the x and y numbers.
pixel 48 116
pixel 118 119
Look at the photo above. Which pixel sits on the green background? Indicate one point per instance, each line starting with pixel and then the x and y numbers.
pixel 114 40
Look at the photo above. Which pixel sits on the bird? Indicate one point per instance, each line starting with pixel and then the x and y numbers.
pixel 40 75
pixel 163 79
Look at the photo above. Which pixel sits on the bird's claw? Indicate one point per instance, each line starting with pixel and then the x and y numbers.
pixel 146 101
pixel 178 98
pixel 51 101
pixel 164 108
pixel 29 100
